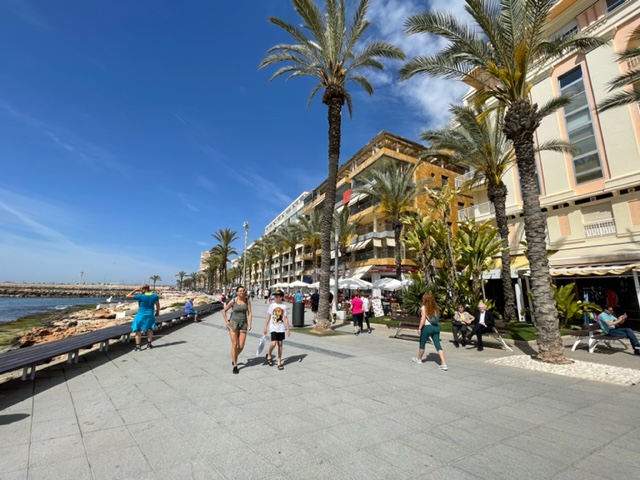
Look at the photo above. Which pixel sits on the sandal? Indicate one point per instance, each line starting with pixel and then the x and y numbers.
pixel 280 367
pixel 269 360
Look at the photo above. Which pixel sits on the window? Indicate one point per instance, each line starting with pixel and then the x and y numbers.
pixel 444 180
pixel 566 30
pixel 613 4
pixel 577 115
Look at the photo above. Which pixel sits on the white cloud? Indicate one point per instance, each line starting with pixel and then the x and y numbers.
pixel 425 97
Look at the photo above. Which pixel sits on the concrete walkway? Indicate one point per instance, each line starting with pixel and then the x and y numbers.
pixel 344 407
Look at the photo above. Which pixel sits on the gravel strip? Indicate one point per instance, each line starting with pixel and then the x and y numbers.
pixel 578 369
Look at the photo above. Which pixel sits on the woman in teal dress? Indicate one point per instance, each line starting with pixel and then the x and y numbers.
pixel 144 319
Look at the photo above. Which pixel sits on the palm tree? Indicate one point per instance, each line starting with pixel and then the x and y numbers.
pixel 347 229
pixel 499 55
pixel 477 140
pixel 630 80
pixel 180 275
pixel 311 228
pixel 154 279
pixel 289 236
pixel 225 238
pixel 478 243
pixel 194 277
pixel 334 54
pixel 394 191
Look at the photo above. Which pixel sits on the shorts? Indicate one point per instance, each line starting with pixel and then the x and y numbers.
pixel 314 307
pixel 277 336
pixel 235 326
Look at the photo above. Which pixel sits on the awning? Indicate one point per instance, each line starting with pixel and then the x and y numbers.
pixel 616 255
pixel 359 272
pixel 360 245
pixel 377 242
pixel 391 242
pixel 356 198
pixel 586 270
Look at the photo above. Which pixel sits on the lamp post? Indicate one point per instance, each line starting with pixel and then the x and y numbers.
pixel 335 273
pixel 245 225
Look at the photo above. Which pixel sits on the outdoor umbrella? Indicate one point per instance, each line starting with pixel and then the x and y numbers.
pixel 299 284
pixel 390 284
pixel 353 283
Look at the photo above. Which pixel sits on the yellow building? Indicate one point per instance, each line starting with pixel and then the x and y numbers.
pixel 591 199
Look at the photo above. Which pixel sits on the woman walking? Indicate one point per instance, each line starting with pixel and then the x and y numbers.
pixel 356 313
pixel 429 329
pixel 278 324
pixel 238 323
pixel 145 317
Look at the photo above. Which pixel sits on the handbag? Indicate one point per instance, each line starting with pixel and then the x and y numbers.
pixel 433 320
pixel 261 344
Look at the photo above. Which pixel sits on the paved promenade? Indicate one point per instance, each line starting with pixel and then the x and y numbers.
pixel 344 407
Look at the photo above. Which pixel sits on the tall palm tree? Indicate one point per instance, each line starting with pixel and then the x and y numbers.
pixel 225 238
pixel 629 81
pixel 498 54
pixel 347 229
pixel 194 277
pixel 180 275
pixel 289 236
pixel 311 228
pixel 155 279
pixel 394 191
pixel 328 46
pixel 477 140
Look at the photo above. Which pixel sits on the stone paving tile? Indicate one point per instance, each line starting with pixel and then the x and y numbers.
pixel 54 428
pixel 576 473
pixel 448 472
pixel 14 458
pixel 15 475
pixel 193 469
pixel 17 431
pixel 72 469
pixel 47 452
pixel 362 465
pixel 124 464
pixel 99 421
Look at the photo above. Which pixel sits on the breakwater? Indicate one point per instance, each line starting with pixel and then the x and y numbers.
pixel 62 290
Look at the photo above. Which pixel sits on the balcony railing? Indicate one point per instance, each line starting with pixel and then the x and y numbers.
pixel 600 228
pixel 460 180
pixel 475 211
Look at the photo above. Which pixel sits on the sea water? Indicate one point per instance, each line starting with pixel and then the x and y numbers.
pixel 12 308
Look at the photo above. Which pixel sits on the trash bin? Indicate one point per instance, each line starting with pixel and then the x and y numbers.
pixel 298 314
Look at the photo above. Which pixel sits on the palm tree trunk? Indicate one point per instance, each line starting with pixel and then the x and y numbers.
pixel 334 100
pixel 520 124
pixel 397 232
pixel 498 196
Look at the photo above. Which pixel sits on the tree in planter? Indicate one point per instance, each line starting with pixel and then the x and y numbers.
pixel 499 55
pixel 421 237
pixel 329 47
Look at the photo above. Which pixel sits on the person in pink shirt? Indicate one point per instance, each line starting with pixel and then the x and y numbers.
pixel 356 313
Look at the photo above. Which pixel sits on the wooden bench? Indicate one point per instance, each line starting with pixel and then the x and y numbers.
pixel 401 321
pixel 593 335
pixel 28 358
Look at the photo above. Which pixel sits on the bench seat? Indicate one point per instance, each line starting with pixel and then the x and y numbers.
pixel 402 322
pixel 594 336
pixel 28 358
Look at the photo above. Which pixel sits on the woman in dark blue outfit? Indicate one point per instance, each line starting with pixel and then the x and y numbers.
pixel 148 308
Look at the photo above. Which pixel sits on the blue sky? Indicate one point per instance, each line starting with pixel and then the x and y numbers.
pixel 132 131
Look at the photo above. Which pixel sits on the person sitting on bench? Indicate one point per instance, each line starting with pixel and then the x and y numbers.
pixel 609 325
pixel 482 322
pixel 188 309
pixel 460 326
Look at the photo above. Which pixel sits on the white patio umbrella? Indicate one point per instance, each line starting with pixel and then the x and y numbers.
pixel 299 284
pixel 387 283
pixel 332 282
pixel 352 283
pixel 280 285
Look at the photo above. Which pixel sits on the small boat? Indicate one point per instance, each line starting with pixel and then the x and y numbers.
pixel 109 299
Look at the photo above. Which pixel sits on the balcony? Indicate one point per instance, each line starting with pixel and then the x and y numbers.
pixel 475 211
pixel 461 180
pixel 600 228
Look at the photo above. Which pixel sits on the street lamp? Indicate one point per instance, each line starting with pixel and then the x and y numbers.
pixel 245 225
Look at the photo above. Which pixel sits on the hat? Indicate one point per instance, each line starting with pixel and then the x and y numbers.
pixel 279 292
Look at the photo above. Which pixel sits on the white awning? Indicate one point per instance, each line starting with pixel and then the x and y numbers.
pixel 391 242
pixel 356 198
pixel 360 271
pixel 595 256
pixel 587 270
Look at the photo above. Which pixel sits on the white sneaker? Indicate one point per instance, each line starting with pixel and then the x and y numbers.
pixel 415 360
pixel 443 367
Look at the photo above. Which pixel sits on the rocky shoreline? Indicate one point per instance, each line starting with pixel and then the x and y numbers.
pixel 62 290
pixel 67 323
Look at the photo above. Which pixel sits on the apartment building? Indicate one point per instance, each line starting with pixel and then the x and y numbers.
pixel 591 199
